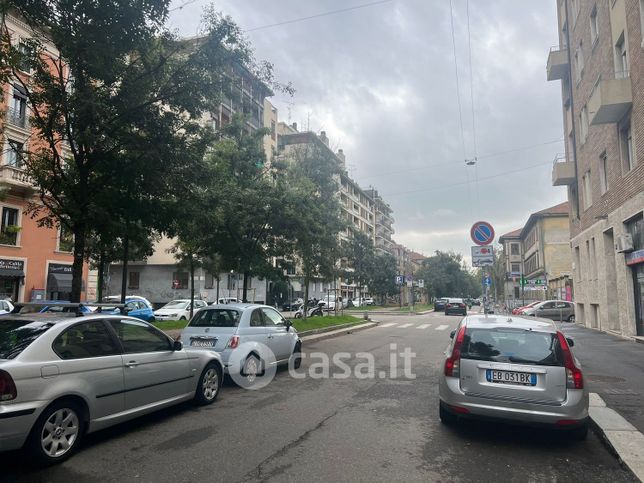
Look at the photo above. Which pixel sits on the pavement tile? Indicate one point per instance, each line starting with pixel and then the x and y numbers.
pixel 609 420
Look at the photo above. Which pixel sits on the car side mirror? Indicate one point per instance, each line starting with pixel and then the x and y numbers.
pixel 452 334
pixel 288 324
pixel 177 345
pixel 571 342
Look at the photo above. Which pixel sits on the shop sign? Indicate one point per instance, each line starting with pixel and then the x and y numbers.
pixel 59 268
pixel 12 264
pixel 635 257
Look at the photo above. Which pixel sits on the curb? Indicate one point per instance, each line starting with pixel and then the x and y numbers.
pixel 619 435
pixel 337 333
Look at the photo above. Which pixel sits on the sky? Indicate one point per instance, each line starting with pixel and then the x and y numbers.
pixel 381 81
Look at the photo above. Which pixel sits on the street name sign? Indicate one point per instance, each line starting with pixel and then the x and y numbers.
pixel 482 233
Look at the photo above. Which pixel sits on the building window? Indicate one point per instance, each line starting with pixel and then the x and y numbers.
pixel 65 239
pixel 586 192
pixel 26 57
pixel 273 131
pixel 583 124
pixel 603 172
pixel 232 281
pixel 635 227
pixel 589 272
pixel 515 268
pixel 621 58
pixel 209 281
pixel 517 292
pixel 514 249
pixel 626 145
pixel 578 265
pixel 594 26
pixel 15 153
pixel 9 229
pixel 593 259
pixel 133 280
pixel 532 263
pixel 180 280
pixel 18 108
pixel 579 62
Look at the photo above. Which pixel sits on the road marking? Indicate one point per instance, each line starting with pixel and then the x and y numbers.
pixel 390 324
pixel 423 326
pixel 404 326
pixel 442 327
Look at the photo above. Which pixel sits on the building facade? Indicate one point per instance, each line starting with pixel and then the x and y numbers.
pixel 383 216
pixel 599 61
pixel 513 263
pixel 35 262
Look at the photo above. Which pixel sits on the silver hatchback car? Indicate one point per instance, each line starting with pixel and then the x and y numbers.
pixel 517 369
pixel 249 338
pixel 63 376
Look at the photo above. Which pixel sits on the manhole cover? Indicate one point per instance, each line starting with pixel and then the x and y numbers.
pixel 603 378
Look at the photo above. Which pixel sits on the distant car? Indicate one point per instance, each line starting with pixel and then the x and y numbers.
pixel 553 309
pixel 178 309
pixel 360 302
pixel 62 377
pixel 228 300
pixel 520 310
pixel 50 306
pixel 5 307
pixel 455 306
pixel 332 302
pixel 439 305
pixel 253 328
pixel 476 302
pixel 138 307
pixel 515 369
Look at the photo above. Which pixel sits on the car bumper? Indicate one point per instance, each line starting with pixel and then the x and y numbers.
pixel 16 421
pixel 573 411
pixel 456 311
pixel 165 317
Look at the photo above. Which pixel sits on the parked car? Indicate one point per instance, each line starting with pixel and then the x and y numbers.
pixel 455 306
pixel 228 300
pixel 520 310
pixel 553 309
pixel 138 307
pixel 476 302
pixel 514 369
pixel 332 302
pixel 223 328
pixel 63 377
pixel 178 309
pixel 440 304
pixel 5 307
pixel 51 306
pixel 360 302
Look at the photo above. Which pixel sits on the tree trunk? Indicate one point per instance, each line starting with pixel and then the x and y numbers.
pixel 306 297
pixel 79 261
pixel 245 288
pixel 217 299
pixel 126 255
pixel 192 285
pixel 101 276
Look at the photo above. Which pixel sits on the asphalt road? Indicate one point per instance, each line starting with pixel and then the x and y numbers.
pixel 331 429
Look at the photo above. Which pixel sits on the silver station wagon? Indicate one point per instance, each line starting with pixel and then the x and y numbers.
pixel 513 368
pixel 62 376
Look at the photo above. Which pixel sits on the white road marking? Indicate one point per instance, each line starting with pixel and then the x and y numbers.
pixel 404 326
pixel 390 324
pixel 423 326
pixel 442 327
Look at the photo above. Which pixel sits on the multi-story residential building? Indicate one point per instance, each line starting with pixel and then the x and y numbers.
pixel 540 253
pixel 600 62
pixel 383 215
pixel 35 262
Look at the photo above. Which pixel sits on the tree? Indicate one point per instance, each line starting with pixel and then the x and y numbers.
pixel 361 256
pixel 446 275
pixel 383 280
pixel 123 96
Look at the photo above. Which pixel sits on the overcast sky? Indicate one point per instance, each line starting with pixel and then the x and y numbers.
pixel 381 82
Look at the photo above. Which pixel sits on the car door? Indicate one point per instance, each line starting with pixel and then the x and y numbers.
pixel 91 359
pixel 279 339
pixel 561 311
pixel 545 310
pixel 153 372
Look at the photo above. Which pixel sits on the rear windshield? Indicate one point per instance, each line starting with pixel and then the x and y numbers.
pixel 512 345
pixel 16 335
pixel 215 318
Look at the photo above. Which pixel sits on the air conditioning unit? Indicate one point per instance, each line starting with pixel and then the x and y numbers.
pixel 624 243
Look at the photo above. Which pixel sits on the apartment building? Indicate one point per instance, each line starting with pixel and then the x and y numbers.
pixel 383 216
pixel 599 61
pixel 540 254
pixel 35 262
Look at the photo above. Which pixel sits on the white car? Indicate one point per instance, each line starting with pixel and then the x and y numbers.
pixel 228 300
pixel 5 307
pixel 178 309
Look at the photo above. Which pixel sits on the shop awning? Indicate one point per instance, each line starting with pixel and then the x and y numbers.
pixel 59 282
pixel 7 272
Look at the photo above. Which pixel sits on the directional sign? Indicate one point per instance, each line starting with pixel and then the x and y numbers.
pixel 487 281
pixel 421 283
pixel 482 233
pixel 399 279
pixel 482 256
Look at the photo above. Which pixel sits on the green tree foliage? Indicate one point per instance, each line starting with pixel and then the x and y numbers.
pixel 382 282
pixel 445 275
pixel 361 256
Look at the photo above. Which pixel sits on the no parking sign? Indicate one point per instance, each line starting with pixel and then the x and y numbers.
pixel 482 233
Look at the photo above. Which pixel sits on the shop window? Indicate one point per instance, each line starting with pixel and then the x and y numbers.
pixel 9 229
pixel 210 280
pixel 133 280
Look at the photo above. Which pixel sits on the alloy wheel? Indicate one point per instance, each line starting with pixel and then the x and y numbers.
pixel 210 385
pixel 60 432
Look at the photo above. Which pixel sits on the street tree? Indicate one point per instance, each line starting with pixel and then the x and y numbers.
pixel 383 280
pixel 446 275
pixel 361 256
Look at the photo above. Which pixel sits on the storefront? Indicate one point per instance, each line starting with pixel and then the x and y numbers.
pixel 59 281
pixel 12 277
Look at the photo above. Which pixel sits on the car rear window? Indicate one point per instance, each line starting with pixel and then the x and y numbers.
pixel 16 335
pixel 215 318
pixel 512 345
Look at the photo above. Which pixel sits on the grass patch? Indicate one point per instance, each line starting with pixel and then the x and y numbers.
pixel 417 308
pixel 327 321
pixel 170 324
pixel 370 307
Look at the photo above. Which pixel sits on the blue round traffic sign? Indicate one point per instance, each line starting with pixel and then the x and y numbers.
pixel 482 233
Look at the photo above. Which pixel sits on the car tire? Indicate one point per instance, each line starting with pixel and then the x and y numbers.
pixel 571 319
pixel 296 357
pixel 62 423
pixel 251 369
pixel 580 433
pixel 447 418
pixel 209 384
pixel 182 318
pixel 298 316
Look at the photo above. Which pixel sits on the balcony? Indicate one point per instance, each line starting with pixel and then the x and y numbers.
pixel 557 66
pixel 17 118
pixel 563 171
pixel 16 177
pixel 610 101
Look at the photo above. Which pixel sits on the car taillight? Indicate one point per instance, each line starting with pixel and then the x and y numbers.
pixel 7 387
pixel 574 377
pixel 461 306
pixel 453 362
pixel 233 343
pixel 449 306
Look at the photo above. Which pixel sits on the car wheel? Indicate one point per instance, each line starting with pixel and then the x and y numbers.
pixel 571 319
pixel 209 384
pixel 251 369
pixel 182 318
pixel 297 356
pixel 580 433
pixel 57 433
pixel 298 315
pixel 447 418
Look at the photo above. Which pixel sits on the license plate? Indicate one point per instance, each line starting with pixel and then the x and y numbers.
pixel 202 342
pixel 508 377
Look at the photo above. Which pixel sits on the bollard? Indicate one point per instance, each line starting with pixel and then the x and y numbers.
pixel 365 316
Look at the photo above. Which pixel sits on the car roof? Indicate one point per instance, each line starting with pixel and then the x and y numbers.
pixel 517 321
pixel 59 318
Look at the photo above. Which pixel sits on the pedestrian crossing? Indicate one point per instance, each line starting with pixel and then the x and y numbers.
pixel 408 325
